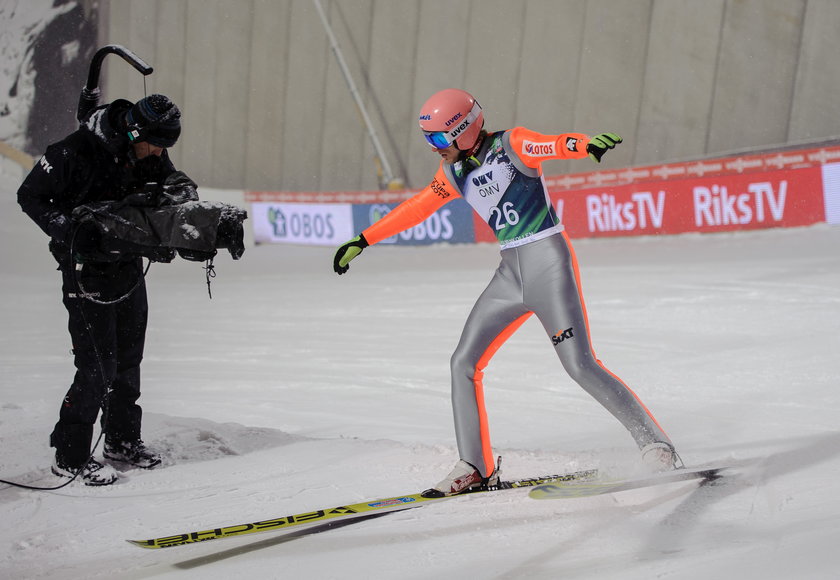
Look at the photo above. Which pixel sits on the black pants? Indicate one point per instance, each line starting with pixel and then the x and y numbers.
pixel 108 342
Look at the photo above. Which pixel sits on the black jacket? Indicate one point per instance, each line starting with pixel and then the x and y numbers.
pixel 93 164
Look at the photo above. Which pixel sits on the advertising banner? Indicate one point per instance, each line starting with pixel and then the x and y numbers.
pixel 831 187
pixel 302 223
pixel 735 165
pixel 715 204
pixel 452 223
pixel 762 190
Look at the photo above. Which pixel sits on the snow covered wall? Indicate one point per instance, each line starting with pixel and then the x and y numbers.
pixel 45 48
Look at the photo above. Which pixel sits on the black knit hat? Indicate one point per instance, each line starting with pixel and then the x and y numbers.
pixel 154 119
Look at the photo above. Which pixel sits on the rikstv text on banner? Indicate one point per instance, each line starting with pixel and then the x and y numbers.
pixel 739 193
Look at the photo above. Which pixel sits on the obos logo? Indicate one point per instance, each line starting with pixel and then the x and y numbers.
pixel 436 227
pixel 538 149
pixel 300 225
pixel 377 212
pixel 277 219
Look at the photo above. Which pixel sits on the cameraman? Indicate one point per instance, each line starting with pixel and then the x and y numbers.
pixel 119 148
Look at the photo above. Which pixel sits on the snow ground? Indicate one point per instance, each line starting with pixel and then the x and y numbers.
pixel 294 389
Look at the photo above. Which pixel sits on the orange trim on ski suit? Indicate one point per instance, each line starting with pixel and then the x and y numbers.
pixel 478 381
pixel 576 269
pixel 530 147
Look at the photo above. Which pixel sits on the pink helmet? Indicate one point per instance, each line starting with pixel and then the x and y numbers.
pixel 451 116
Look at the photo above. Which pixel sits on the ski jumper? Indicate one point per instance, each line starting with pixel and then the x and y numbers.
pixel 538 274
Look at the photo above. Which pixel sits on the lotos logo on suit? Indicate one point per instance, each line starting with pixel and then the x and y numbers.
pixel 538 149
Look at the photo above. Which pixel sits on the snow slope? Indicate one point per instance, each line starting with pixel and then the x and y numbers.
pixel 294 389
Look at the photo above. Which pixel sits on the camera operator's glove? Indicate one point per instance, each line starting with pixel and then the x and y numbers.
pixel 60 228
pixel 86 244
pixel 599 144
pixel 178 188
pixel 83 239
pixel 347 252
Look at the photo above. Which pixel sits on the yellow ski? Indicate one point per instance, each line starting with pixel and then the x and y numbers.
pixel 354 510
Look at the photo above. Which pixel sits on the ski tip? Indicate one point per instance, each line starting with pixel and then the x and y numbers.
pixel 572 489
pixel 566 490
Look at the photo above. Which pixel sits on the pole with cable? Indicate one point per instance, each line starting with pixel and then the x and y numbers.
pixel 388 181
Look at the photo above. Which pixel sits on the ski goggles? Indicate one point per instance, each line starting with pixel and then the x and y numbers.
pixel 437 139
pixel 444 139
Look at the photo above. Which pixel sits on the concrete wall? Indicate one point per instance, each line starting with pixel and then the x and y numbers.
pixel 266 105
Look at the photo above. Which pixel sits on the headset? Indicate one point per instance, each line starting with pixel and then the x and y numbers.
pixel 136 133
